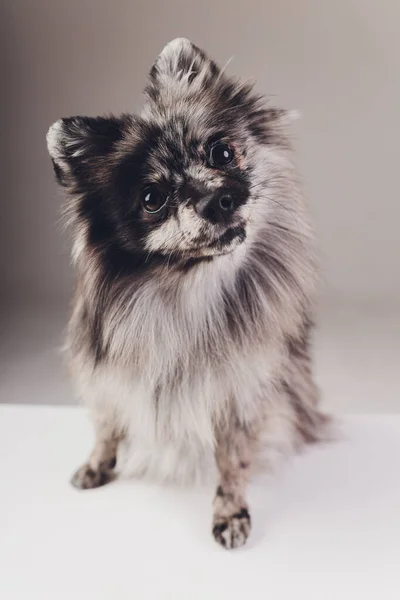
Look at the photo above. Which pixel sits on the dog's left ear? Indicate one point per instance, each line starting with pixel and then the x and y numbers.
pixel 180 69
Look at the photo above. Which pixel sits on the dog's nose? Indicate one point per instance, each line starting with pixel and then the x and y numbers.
pixel 216 208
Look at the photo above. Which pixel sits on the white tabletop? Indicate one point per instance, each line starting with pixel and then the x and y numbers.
pixel 326 528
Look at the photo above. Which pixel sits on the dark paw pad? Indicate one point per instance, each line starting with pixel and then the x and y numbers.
pixel 232 531
pixel 87 478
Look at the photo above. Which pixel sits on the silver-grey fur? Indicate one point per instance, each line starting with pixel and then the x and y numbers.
pixel 206 361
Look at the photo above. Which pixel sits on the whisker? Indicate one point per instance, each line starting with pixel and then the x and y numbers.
pixel 231 108
pixel 271 199
pixel 222 71
pixel 264 182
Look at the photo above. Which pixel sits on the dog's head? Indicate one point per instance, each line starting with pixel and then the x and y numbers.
pixel 180 181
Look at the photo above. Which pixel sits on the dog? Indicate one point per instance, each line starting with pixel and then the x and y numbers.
pixel 189 338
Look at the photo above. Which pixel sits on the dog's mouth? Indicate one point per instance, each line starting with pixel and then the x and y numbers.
pixel 224 243
pixel 237 234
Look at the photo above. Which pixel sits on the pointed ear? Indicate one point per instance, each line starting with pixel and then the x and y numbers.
pixel 180 68
pixel 75 143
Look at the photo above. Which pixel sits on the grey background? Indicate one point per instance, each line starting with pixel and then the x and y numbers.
pixel 337 62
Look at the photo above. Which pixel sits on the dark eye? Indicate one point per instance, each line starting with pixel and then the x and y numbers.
pixel 221 154
pixel 153 200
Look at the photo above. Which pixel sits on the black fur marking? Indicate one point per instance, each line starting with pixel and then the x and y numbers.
pixel 83 140
pixel 299 348
pixel 132 169
pixel 306 426
pixel 193 262
pixel 219 528
pixel 58 173
pixel 243 514
pixel 96 337
pixel 96 212
pixel 94 135
pixel 242 306
pixel 111 463
pixel 220 491
pixel 103 478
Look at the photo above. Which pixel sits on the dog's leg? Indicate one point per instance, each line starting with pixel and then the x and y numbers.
pixel 99 469
pixel 235 450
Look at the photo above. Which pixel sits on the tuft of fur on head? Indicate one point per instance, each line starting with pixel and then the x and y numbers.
pixel 203 297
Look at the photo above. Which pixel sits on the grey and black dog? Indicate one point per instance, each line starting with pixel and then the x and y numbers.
pixel 189 335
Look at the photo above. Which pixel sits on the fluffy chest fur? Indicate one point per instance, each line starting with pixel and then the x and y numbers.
pixel 168 359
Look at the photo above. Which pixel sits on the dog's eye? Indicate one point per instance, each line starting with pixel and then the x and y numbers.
pixel 153 200
pixel 221 154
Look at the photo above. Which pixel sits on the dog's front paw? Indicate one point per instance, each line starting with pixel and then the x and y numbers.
pixel 87 478
pixel 232 531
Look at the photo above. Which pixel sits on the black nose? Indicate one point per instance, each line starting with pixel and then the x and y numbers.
pixel 217 208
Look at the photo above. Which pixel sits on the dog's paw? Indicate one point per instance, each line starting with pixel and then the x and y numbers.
pixel 232 531
pixel 87 478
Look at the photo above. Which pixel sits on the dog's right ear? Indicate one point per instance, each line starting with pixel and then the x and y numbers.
pixel 76 143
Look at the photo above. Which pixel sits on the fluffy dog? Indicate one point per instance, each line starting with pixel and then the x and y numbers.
pixel 189 334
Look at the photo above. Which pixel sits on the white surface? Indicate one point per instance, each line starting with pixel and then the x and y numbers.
pixel 327 528
pixel 357 357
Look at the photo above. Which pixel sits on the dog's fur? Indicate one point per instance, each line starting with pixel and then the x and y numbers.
pixel 189 333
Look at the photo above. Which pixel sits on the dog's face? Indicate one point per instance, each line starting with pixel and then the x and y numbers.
pixel 179 181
